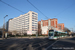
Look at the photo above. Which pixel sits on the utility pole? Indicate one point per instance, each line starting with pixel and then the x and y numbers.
pixel 3 27
pixel 72 29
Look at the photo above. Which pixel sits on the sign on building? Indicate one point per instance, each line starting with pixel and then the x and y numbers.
pixel 29 32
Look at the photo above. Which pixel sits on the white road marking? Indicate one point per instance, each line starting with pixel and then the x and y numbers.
pixel 51 45
pixel 40 42
pixel 41 45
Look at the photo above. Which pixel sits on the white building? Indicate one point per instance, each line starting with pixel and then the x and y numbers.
pixel 24 23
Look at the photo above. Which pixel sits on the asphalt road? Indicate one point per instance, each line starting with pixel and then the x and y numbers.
pixel 37 44
pixel 25 43
pixel 63 44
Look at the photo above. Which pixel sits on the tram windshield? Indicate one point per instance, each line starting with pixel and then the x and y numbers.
pixel 51 32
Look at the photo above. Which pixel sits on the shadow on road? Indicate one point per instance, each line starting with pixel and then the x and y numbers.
pixel 19 44
pixel 64 44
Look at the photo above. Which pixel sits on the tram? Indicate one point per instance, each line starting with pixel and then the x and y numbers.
pixel 54 35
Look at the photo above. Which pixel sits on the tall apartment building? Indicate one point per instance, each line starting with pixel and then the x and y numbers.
pixel 45 25
pixel 24 23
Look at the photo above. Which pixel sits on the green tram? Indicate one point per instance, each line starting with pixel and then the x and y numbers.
pixel 53 34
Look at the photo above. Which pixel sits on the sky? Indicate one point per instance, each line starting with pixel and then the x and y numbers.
pixel 63 10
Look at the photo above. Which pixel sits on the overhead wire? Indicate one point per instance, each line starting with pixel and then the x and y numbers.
pixel 22 11
pixel 38 9
pixel 12 6
pixel 64 9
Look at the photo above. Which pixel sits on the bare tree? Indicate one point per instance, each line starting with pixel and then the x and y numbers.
pixel 39 29
pixel 66 29
pixel 3 32
pixel 10 33
pixel 14 32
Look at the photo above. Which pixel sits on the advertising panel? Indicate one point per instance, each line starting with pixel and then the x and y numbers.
pixel 29 32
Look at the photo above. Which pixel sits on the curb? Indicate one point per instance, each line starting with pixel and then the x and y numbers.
pixel 23 37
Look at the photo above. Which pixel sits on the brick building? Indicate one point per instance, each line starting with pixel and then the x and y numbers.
pixel 61 26
pixel 45 25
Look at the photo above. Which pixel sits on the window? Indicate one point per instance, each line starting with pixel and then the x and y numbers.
pixel 32 30
pixel 34 16
pixel 28 14
pixel 33 13
pixel 32 25
pixel 32 20
pixel 26 17
pixel 51 33
pixel 35 23
pixel 60 27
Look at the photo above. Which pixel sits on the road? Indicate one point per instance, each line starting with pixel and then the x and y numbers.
pixel 23 43
pixel 37 44
pixel 63 44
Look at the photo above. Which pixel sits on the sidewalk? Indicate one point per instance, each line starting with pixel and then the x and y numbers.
pixel 37 37
pixel 25 37
pixel 67 37
pixel 30 37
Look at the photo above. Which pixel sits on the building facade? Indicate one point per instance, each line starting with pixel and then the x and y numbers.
pixel 23 23
pixel 61 26
pixel 45 25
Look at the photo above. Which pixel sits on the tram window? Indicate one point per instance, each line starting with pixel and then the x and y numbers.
pixel 50 33
pixel 56 34
pixel 51 30
pixel 61 34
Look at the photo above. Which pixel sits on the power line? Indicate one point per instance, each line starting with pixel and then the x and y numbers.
pixel 11 6
pixel 38 9
pixel 65 9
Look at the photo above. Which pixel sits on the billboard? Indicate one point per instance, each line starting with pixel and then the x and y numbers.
pixel 29 32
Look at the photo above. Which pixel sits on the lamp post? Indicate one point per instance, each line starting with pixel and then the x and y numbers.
pixel 4 27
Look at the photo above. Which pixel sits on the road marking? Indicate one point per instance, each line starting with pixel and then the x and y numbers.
pixel 40 42
pixel 41 45
pixel 51 45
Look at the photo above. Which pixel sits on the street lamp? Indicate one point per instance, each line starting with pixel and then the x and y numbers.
pixel 4 27
pixel 4 20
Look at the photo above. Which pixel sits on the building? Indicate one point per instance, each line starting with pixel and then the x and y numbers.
pixel 45 25
pixel 61 26
pixel 24 23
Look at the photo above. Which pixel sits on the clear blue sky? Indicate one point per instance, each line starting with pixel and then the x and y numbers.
pixel 63 10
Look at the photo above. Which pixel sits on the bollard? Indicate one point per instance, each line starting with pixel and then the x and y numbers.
pixel 29 47
pixel 43 49
pixel 5 35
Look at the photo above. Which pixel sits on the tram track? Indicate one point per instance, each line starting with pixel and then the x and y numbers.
pixel 45 45
pixel 21 43
pixel 37 43
pixel 34 44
